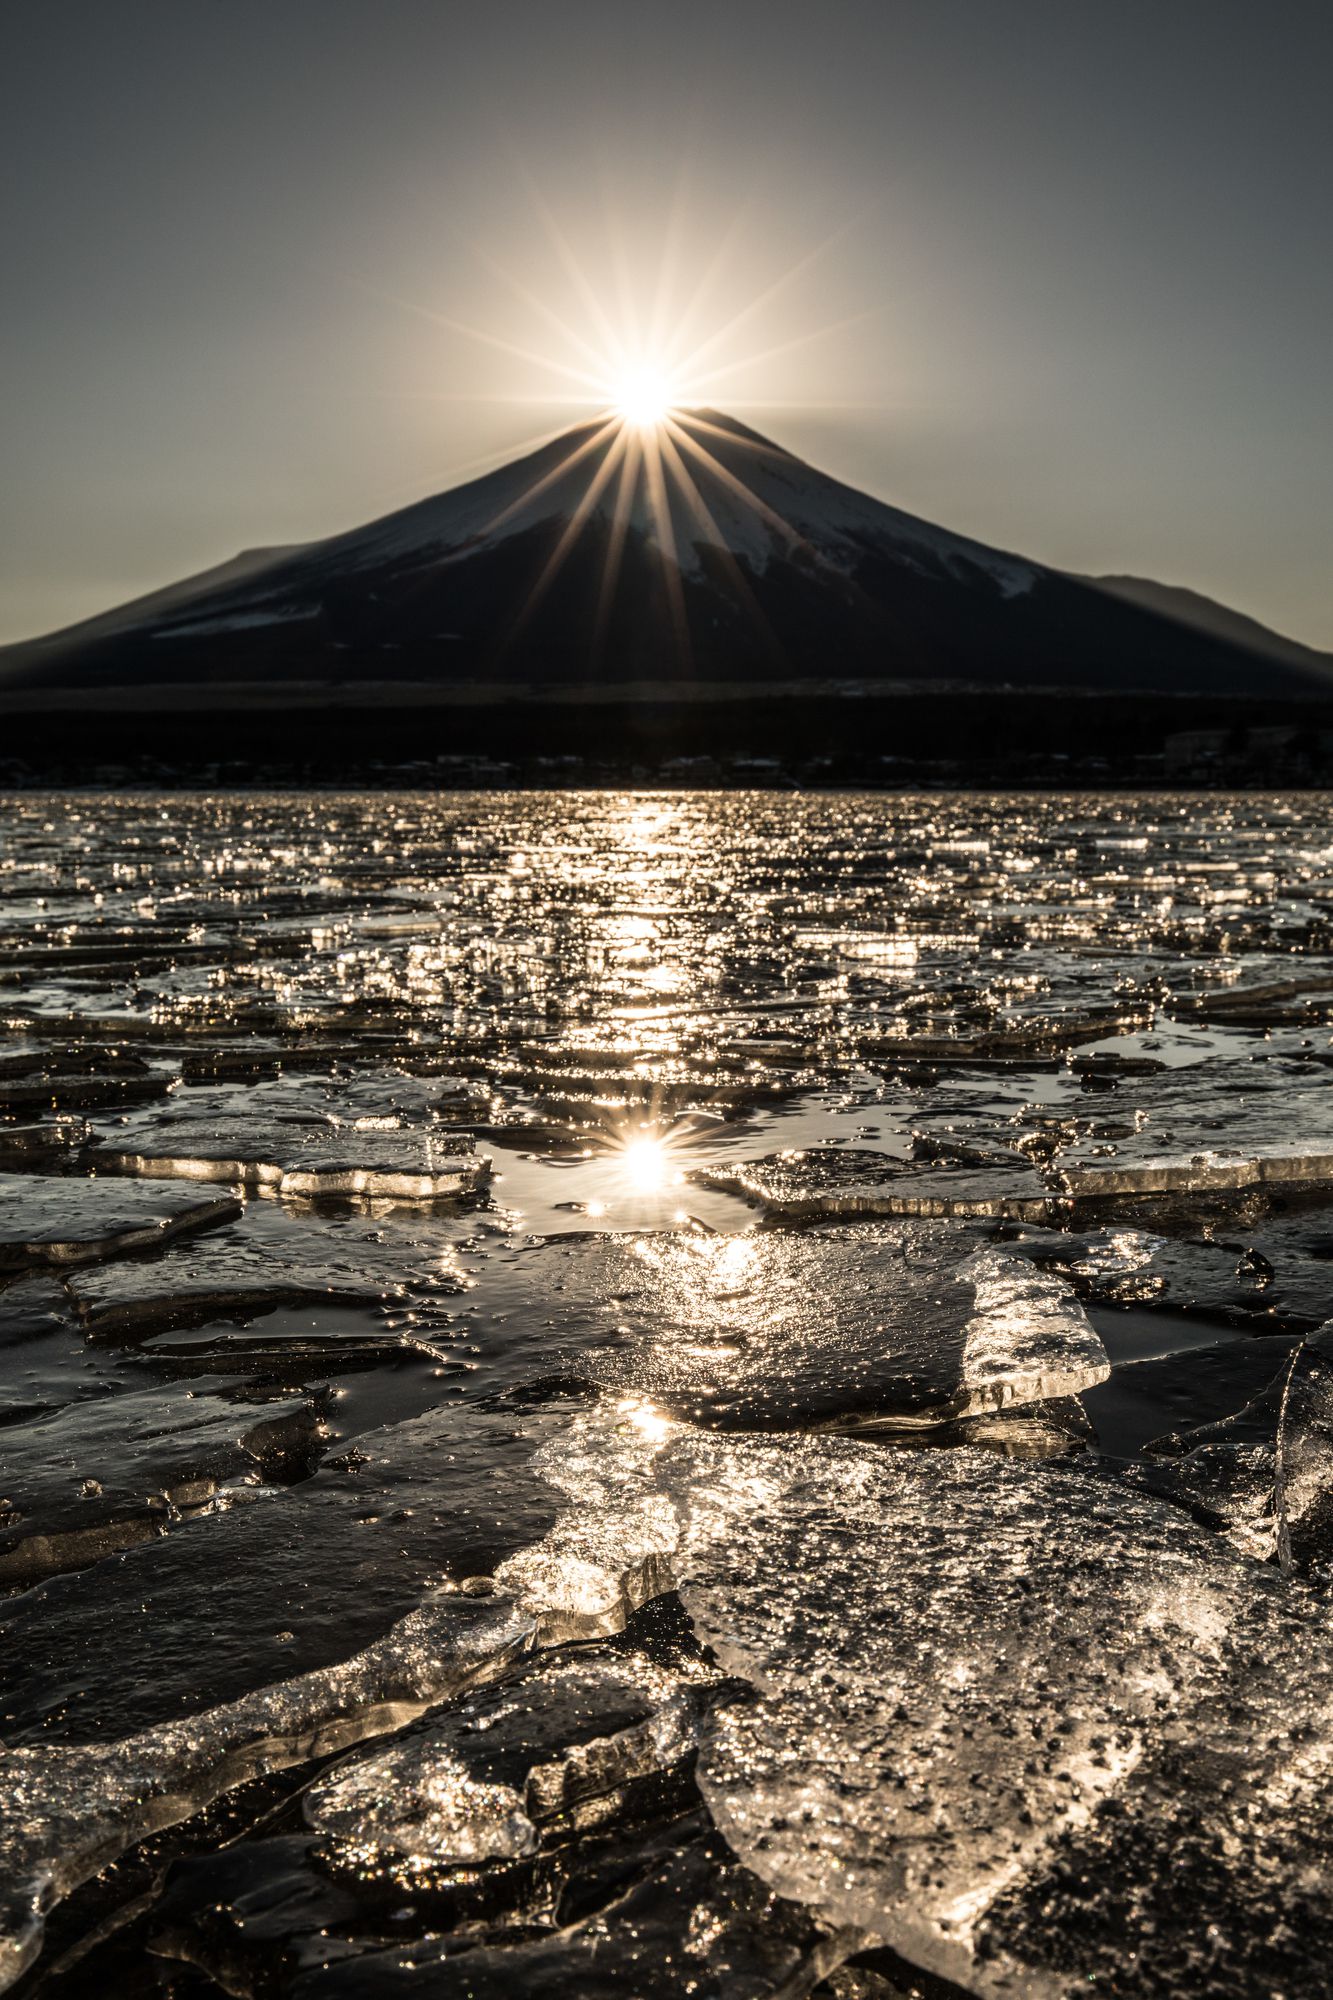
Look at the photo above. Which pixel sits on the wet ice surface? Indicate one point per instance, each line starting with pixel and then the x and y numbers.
pixel 438 1233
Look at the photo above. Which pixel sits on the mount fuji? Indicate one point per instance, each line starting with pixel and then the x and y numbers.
pixel 717 563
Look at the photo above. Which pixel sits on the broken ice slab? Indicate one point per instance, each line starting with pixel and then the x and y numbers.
pixel 1009 1042
pixel 977 1674
pixel 901 1324
pixel 38 1059
pixel 1145 1170
pixel 49 1219
pixel 659 1910
pixel 412 1165
pixel 107 1474
pixel 588 1088
pixel 46 1143
pixel 1258 1000
pixel 137 947
pixel 1110 1065
pixel 833 1181
pixel 1228 1268
pixel 1227 1125
pixel 371 1135
pixel 274 1259
pixel 80 1091
pixel 1099 1630
pixel 373 1096
pixel 258 1637
pixel 300 1343
pixel 318 1030
pixel 263 1059
pixel 237 1599
pixel 504 1769
pixel 67 1812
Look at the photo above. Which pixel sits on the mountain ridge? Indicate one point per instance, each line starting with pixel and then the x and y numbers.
pixel 1196 608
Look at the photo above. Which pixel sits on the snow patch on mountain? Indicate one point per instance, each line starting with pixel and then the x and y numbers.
pixel 239 621
pixel 741 494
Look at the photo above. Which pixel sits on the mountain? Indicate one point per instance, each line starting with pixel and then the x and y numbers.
pixel 721 563
pixel 1205 614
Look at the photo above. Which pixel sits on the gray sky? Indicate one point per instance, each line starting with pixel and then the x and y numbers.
pixel 1055 273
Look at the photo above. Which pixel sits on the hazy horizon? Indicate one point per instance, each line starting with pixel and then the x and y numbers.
pixel 1054 281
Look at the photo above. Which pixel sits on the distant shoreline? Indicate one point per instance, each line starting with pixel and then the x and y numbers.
pixel 387 697
pixel 740 736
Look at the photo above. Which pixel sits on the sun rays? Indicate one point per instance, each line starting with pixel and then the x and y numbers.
pixel 633 360
pixel 641 466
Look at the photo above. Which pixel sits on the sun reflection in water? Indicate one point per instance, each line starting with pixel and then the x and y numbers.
pixel 643 1159
pixel 651 1425
pixel 645 1165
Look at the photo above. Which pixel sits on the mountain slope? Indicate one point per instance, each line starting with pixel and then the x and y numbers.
pixel 1205 614
pixel 724 560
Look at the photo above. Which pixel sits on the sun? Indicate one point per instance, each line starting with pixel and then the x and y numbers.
pixel 643 396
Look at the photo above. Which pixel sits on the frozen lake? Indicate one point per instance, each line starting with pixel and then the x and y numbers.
pixel 663 1394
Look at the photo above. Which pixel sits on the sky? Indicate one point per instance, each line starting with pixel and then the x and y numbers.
pixel 1054 273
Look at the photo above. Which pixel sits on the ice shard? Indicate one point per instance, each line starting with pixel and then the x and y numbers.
pixel 1303 1489
pixel 273 1259
pixel 497 1772
pixel 371 1135
pixel 106 1474
pixel 903 1324
pixel 47 1219
pixel 831 1181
